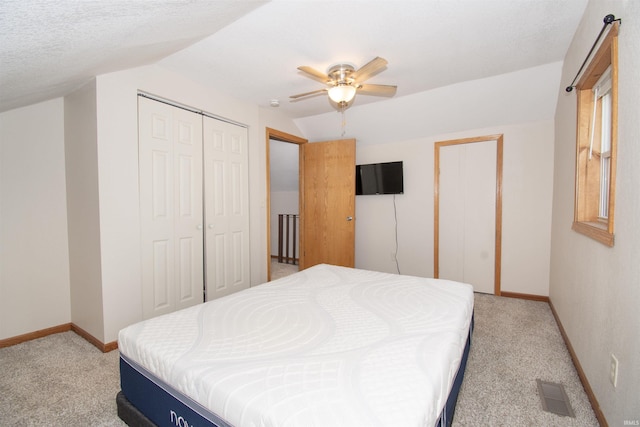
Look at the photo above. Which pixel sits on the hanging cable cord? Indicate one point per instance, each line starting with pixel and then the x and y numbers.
pixel 395 216
pixel 608 20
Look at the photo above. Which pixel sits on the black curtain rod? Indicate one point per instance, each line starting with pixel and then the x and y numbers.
pixel 609 19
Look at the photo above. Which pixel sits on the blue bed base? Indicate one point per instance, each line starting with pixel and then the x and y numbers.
pixel 446 417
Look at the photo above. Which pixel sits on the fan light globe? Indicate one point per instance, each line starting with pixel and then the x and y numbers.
pixel 342 93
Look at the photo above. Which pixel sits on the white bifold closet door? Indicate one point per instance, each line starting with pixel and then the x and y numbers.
pixel 194 207
pixel 226 208
pixel 467 214
pixel 170 173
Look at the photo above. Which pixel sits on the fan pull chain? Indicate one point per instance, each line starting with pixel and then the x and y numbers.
pixel 344 121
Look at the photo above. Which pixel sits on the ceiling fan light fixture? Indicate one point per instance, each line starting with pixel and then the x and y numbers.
pixel 343 80
pixel 342 93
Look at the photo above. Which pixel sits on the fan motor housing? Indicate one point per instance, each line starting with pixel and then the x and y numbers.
pixel 341 73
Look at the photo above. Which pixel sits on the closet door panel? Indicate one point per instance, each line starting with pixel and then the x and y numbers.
pixel 216 191
pixel 161 183
pixel 162 273
pixel 216 264
pixel 480 219
pixel 452 213
pixel 467 203
pixel 188 279
pixel 238 249
pixel 226 208
pixel 170 179
pixel 188 230
pixel 156 200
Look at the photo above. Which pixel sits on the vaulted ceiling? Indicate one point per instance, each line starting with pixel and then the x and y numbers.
pixel 252 48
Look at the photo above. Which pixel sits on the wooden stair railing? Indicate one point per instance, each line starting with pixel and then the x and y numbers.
pixel 287 238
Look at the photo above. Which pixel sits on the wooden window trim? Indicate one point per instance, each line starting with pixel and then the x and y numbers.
pixel 606 55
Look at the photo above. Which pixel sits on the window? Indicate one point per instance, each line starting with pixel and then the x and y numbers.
pixel 596 143
pixel 602 96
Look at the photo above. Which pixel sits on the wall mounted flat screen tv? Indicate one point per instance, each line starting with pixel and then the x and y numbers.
pixel 379 178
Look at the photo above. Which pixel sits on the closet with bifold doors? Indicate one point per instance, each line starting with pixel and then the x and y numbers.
pixel 194 207
pixel 468 211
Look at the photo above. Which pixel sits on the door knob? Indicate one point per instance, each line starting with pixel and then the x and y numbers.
pixel 199 227
pixel 349 218
pixel 210 226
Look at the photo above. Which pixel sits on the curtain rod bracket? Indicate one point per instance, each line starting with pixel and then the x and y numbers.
pixel 609 19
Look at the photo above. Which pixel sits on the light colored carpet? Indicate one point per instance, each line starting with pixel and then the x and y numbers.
pixel 514 343
pixel 62 380
pixel 279 270
pixel 59 380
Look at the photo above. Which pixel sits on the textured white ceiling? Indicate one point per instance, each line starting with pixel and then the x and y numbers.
pixel 49 48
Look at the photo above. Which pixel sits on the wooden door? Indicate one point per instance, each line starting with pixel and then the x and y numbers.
pixel 328 203
pixel 226 205
pixel 468 212
pixel 170 174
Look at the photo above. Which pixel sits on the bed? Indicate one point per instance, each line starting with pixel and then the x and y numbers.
pixel 326 346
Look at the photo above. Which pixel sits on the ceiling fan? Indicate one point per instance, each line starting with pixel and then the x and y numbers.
pixel 343 81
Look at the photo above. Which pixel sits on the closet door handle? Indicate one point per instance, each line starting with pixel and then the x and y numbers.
pixel 199 227
pixel 210 226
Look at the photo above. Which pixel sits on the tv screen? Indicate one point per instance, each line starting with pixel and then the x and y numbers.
pixel 379 178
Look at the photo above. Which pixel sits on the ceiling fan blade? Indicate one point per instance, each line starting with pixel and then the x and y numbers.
pixel 369 69
pixel 315 74
pixel 303 95
pixel 377 90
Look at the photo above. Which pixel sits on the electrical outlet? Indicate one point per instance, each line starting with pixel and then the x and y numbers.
pixel 613 373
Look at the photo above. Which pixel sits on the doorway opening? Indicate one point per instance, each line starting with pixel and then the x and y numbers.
pixel 284 166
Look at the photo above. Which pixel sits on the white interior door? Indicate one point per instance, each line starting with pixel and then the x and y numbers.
pixel 226 195
pixel 467 217
pixel 170 174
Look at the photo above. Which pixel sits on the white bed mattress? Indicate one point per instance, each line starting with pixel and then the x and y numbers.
pixel 327 346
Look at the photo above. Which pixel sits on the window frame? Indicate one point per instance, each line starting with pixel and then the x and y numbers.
pixel 588 180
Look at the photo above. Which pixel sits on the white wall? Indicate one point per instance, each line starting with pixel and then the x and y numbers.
pixel 83 216
pixel 34 262
pixel 595 289
pixel 519 105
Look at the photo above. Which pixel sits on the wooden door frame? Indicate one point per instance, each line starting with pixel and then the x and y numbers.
pixel 498 219
pixel 284 137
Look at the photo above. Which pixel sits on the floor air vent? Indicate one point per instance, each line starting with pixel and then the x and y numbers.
pixel 554 398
